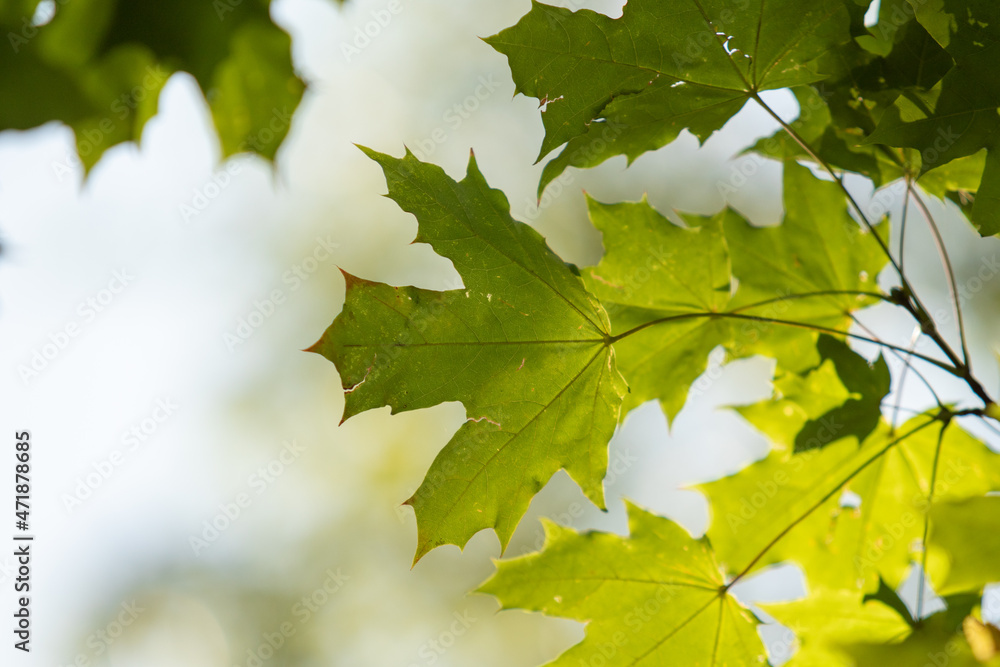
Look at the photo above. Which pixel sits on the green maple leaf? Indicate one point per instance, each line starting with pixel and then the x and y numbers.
pixel 828 620
pixel 99 66
pixel 958 117
pixel 531 353
pixel 858 415
pixel 838 628
pixel 796 500
pixel 629 85
pixel 668 289
pixel 936 640
pixel 954 566
pixel 656 597
pixel 653 269
pixel 523 346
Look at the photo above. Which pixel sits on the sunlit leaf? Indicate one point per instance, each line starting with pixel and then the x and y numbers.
pixel 99 66
pixel 955 567
pixel 795 502
pixel 958 116
pixel 522 345
pixel 629 85
pixel 656 597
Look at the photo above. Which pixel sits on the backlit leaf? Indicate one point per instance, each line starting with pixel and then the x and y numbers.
pixel 656 597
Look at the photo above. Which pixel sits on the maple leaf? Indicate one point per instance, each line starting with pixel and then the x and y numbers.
pixel 523 346
pixel 656 597
pixel 631 84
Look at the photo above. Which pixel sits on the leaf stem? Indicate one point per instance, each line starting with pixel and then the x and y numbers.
pixel 927 521
pixel 946 261
pixel 902 379
pixel 902 225
pixel 805 295
pixel 836 177
pixel 912 302
pixel 791 323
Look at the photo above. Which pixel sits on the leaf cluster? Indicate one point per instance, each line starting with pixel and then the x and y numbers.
pixel 548 358
pixel 99 66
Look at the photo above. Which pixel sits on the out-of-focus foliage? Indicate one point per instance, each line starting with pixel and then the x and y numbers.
pixel 99 65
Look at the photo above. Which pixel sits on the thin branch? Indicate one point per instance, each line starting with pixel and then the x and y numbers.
pixel 912 302
pixel 946 261
pixel 907 365
pixel 987 422
pixel 790 323
pixel 805 295
pixel 912 411
pixel 836 177
pixel 902 226
pixel 927 522
pixel 902 379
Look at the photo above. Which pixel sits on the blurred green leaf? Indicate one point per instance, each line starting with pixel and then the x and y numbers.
pixel 956 567
pixel 827 621
pixel 959 115
pixel 839 545
pixel 858 415
pixel 99 67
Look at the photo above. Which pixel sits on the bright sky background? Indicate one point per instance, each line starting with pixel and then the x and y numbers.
pixel 172 290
